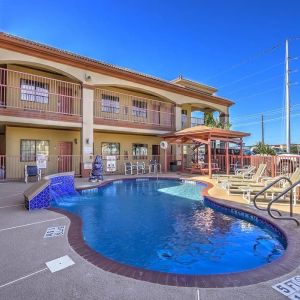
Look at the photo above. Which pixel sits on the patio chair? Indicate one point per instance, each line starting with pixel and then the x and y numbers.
pixel 140 166
pixel 128 168
pixel 32 171
pixel 154 166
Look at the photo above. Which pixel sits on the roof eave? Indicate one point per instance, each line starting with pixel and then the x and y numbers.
pixel 47 52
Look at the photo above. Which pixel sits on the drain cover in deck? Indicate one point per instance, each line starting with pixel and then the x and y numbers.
pixel 59 263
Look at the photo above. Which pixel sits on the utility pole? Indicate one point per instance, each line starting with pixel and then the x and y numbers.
pixel 262 129
pixel 287 99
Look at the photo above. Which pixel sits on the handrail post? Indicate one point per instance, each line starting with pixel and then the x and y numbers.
pixel 291 190
pixel 291 202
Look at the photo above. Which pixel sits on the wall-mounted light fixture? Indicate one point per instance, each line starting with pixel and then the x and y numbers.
pixel 87 77
pixel 87 141
pixel 75 141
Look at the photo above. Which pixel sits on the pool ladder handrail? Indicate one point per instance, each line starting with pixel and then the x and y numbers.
pixel 284 192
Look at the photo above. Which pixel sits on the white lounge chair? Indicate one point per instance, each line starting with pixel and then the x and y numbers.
pixel 240 174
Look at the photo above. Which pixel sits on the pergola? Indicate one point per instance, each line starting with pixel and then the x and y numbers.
pixel 205 135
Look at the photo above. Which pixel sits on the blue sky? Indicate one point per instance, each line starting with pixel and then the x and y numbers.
pixel 201 40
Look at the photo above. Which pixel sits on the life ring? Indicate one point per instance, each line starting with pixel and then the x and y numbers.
pixel 163 145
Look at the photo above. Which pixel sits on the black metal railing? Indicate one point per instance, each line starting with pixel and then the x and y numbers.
pixel 290 190
pixel 283 193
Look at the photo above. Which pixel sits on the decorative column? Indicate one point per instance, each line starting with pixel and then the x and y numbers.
pixel 224 117
pixel 87 131
pixel 178 126
pixel 178 123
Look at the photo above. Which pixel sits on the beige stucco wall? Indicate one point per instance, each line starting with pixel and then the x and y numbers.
pixel 125 140
pixel 87 126
pixel 14 135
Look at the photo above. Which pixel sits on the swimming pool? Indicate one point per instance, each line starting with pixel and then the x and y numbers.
pixel 167 226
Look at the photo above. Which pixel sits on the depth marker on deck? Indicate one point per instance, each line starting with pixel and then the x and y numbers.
pixel 55 231
pixel 289 288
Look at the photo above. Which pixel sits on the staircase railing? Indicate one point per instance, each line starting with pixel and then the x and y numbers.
pixel 283 193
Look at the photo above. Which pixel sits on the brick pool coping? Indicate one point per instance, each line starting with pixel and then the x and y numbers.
pixel 283 265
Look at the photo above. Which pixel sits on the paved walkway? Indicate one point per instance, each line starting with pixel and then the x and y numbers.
pixel 24 252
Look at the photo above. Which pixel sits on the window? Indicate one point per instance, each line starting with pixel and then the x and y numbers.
pixel 110 149
pixel 139 151
pixel 139 108
pixel 110 104
pixel 34 91
pixel 29 149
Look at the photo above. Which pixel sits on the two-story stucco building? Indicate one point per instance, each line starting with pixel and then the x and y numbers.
pixel 70 107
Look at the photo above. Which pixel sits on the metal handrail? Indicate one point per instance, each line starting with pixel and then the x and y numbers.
pixel 268 187
pixel 291 187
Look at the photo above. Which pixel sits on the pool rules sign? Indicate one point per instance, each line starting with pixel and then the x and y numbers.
pixel 289 287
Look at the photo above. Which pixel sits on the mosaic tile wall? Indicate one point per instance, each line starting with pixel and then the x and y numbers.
pixel 60 185
pixel 41 200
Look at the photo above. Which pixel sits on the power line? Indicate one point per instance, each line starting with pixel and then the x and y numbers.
pixel 251 75
pixel 265 121
pixel 257 83
pixel 247 60
pixel 261 93
pixel 257 115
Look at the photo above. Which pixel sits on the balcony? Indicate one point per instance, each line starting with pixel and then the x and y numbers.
pixel 32 96
pixel 126 110
pixel 191 122
pixel 196 121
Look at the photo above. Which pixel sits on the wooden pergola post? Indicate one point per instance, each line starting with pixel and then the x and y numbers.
pixel 182 158
pixel 227 158
pixel 209 158
pixel 242 153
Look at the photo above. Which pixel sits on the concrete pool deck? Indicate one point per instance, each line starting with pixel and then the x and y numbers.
pixel 24 252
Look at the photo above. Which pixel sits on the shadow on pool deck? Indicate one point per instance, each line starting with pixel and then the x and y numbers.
pixel 25 251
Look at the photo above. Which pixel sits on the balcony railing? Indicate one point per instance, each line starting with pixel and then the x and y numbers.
pixel 120 109
pixel 196 121
pixel 28 95
pixel 12 168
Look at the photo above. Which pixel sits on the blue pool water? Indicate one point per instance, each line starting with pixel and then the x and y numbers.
pixel 164 226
